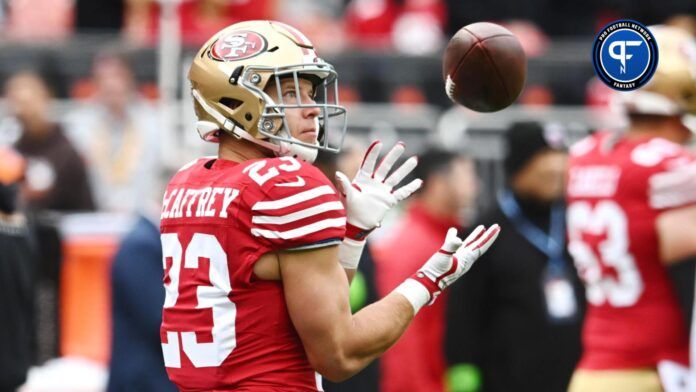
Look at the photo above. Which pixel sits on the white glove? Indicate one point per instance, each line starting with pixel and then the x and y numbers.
pixel 370 195
pixel 443 268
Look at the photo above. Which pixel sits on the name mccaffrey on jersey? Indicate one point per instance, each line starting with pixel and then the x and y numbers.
pixel 198 203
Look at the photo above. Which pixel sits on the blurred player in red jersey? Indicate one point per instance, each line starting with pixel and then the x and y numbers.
pixel 632 209
pixel 259 247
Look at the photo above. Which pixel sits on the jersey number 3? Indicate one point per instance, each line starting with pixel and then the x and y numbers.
pixel 215 297
pixel 598 241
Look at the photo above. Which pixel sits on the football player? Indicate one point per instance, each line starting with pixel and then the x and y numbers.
pixel 631 210
pixel 259 247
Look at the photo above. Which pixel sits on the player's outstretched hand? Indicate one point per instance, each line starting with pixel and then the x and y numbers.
pixel 373 191
pixel 454 259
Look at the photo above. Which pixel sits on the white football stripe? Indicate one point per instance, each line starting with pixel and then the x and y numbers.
pixel 300 231
pixel 294 199
pixel 295 216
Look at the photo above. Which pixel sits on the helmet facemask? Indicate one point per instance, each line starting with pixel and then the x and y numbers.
pixel 273 124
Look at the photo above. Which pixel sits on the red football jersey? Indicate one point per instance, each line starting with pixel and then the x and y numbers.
pixel 223 328
pixel 617 187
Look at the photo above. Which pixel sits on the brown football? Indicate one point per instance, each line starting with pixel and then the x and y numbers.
pixel 484 67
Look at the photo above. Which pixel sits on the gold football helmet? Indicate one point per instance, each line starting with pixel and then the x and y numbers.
pixel 230 72
pixel 672 89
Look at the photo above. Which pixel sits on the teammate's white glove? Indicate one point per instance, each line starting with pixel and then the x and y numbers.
pixel 447 265
pixel 370 195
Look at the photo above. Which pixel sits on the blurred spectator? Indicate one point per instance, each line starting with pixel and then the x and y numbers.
pixel 410 26
pixel 117 133
pixel 536 95
pixel 598 94
pixel 56 177
pixel 349 95
pixel 137 297
pixel 201 19
pixel 514 323
pixel 407 95
pixel 531 37
pixel 449 186
pixel 137 20
pixel 419 28
pixel 369 23
pixel 198 19
pixel 17 258
pixel 320 20
pixel 55 180
pixel 38 20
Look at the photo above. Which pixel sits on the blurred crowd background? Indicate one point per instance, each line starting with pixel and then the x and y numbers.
pixel 95 100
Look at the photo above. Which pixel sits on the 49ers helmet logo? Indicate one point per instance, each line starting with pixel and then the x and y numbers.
pixel 238 45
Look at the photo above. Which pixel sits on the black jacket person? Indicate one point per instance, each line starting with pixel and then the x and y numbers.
pixel 514 323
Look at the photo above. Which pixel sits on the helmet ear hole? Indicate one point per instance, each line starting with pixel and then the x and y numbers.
pixel 248 116
pixel 231 102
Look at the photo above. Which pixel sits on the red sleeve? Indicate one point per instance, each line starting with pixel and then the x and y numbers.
pixel 674 185
pixel 299 209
